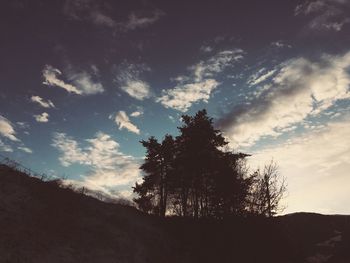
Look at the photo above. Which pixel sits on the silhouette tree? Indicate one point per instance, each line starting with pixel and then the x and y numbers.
pixel 167 155
pixel 153 192
pixel 192 175
pixel 232 185
pixel 149 191
pixel 198 153
pixel 269 189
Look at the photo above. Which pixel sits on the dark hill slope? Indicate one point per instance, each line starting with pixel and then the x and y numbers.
pixel 41 222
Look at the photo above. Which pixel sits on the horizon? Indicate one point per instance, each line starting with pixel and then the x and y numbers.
pixel 83 81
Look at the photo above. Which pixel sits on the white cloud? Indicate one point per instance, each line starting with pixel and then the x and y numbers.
pixel 300 89
pixel 110 168
pixel 7 130
pixel 137 89
pixel 259 77
pixel 316 166
pixel 216 64
pixel 199 85
pixel 136 114
pixel 51 74
pixel 83 83
pixel 25 149
pixel 70 149
pixel 183 96
pixel 4 147
pixel 129 80
pixel 44 117
pixel 42 102
pixel 123 121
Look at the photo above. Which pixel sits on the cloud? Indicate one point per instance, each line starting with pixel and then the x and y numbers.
pixel 129 79
pixel 83 83
pixel 327 15
pixel 122 120
pixel 137 89
pixel 5 147
pixel 42 102
pixel 280 44
pixel 183 96
pixel 88 10
pixel 109 168
pixel 139 21
pixel 300 89
pixel 199 85
pixel 136 114
pixel 43 117
pixel 259 77
pixel 7 130
pixel 70 150
pixel 51 74
pixel 216 64
pixel 316 166
pixel 25 149
pixel 206 49
pixel 100 15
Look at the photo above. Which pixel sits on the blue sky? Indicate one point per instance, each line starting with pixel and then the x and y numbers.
pixel 83 81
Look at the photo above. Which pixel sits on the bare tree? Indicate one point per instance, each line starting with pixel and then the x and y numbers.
pixel 269 188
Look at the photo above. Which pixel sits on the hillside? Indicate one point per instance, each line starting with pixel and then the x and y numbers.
pixel 41 222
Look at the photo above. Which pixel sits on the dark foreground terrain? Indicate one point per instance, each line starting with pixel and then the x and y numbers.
pixel 41 222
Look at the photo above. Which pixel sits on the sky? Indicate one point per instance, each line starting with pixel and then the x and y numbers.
pixel 83 81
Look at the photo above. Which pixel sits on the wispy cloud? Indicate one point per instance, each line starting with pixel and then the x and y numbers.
pixel 137 89
pixel 128 77
pixel 280 44
pixel 25 149
pixel 43 117
pixel 110 168
pixel 206 49
pixel 42 102
pixel 183 96
pixel 95 12
pixel 71 152
pixel 200 84
pixel 51 75
pixel 260 76
pixel 5 147
pixel 141 20
pixel 216 64
pixel 7 130
pixel 88 10
pixel 136 114
pixel 82 83
pixel 123 121
pixel 326 15
pixel 300 89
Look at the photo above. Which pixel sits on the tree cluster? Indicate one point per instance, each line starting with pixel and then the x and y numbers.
pixel 192 175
